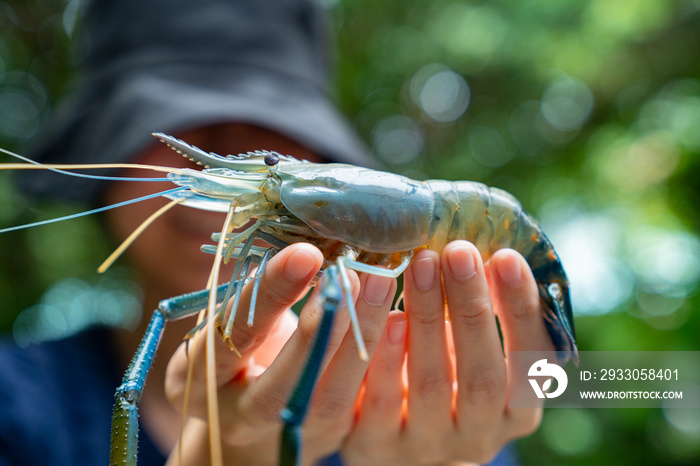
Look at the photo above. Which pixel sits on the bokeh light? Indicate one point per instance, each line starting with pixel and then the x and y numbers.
pixel 470 33
pixel 676 109
pixel 567 103
pixel 686 421
pixel 442 94
pixel 588 245
pixel 22 101
pixel 72 305
pixel 665 262
pixel 572 432
pixel 523 128
pixel 489 147
pixel 397 139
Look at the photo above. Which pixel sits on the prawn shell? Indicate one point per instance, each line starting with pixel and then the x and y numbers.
pixel 371 210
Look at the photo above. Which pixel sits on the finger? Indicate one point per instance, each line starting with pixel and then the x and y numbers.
pixel 287 276
pixel 517 302
pixel 516 298
pixel 270 393
pixel 279 334
pixel 285 280
pixel 379 415
pixel 481 374
pixel 341 381
pixel 428 365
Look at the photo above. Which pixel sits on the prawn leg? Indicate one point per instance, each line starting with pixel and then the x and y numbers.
pixel 354 323
pixel 345 262
pixel 295 412
pixel 125 427
pixel 381 271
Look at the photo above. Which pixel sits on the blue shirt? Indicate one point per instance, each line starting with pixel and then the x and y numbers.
pixel 57 401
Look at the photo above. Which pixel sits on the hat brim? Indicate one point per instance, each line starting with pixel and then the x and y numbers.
pixel 113 125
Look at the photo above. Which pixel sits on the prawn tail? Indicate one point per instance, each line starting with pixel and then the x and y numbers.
pixel 556 308
pixel 493 219
pixel 513 227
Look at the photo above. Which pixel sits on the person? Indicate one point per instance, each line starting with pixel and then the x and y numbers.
pixel 231 77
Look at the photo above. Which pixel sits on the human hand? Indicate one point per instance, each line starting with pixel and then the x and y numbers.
pixel 454 407
pixel 253 389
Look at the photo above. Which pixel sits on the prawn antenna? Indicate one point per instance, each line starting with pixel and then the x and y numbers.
pixel 215 449
pixel 135 234
pixel 90 212
pixel 63 168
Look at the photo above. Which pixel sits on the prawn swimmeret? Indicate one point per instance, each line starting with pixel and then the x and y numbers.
pixel 361 219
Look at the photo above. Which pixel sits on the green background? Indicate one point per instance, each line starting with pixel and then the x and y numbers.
pixel 588 111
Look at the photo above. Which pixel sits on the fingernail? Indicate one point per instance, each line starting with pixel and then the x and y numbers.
pixel 299 266
pixel 376 290
pixel 424 273
pixel 397 332
pixel 462 262
pixel 509 271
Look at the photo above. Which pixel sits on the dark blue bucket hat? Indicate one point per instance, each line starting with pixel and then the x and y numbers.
pixel 173 65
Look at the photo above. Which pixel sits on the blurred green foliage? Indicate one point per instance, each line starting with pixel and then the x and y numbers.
pixel 588 111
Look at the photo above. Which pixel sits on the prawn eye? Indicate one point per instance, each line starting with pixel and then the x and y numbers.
pixel 272 159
